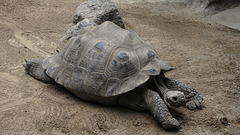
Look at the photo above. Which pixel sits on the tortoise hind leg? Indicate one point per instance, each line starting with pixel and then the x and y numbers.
pixel 146 99
pixel 193 97
pixel 34 68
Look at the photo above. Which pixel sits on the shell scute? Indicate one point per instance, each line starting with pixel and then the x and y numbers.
pixel 97 82
pixel 100 45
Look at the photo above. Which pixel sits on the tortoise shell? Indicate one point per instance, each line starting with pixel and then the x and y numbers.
pixel 104 61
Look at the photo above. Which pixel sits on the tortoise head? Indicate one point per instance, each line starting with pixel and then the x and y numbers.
pixel 175 98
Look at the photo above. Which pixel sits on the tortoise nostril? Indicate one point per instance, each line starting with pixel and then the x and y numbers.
pixel 175 98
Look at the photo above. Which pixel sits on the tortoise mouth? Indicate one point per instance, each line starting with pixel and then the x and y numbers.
pixel 175 104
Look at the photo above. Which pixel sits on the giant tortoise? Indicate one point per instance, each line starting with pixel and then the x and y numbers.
pixel 114 66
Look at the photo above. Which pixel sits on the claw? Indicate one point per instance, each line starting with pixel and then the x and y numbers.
pixel 197 103
pixel 170 124
pixel 25 65
pixel 194 104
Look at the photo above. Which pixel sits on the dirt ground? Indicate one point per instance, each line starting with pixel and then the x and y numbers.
pixel 206 55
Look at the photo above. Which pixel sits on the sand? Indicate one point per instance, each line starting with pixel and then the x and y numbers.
pixel 204 53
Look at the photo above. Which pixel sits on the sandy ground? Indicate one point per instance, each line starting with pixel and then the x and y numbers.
pixel 206 55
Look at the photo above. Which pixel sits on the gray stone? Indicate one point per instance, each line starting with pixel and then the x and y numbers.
pixel 76 29
pixel 99 11
pixel 210 7
pixel 229 18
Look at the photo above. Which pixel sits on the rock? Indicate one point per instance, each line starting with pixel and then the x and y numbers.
pixel 229 18
pixel 224 121
pixel 99 11
pixel 210 7
pixel 76 29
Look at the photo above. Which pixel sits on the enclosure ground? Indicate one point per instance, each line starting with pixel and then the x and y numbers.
pixel 206 55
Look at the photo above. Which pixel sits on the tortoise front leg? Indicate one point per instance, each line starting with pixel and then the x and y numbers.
pixel 193 97
pixel 145 99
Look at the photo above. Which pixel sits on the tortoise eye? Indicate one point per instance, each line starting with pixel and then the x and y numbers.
pixel 150 54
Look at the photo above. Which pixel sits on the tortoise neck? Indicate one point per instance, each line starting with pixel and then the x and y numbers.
pixel 160 86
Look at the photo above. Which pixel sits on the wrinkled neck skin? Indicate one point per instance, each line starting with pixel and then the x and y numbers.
pixel 160 87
